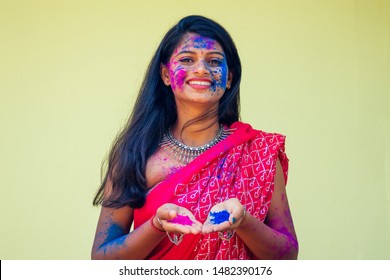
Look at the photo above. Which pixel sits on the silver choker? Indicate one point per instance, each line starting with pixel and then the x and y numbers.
pixel 185 154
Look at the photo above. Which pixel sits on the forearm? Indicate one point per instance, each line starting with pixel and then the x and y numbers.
pixel 266 242
pixel 135 245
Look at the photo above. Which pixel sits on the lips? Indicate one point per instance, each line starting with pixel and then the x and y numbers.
pixel 199 83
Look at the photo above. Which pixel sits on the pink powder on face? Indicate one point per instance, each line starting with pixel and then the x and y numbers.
pixel 177 76
pixel 180 78
pixel 182 220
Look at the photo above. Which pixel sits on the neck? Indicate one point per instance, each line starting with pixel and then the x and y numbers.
pixel 198 133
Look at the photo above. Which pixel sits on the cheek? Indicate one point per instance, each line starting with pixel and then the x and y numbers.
pixel 224 74
pixel 220 77
pixel 177 76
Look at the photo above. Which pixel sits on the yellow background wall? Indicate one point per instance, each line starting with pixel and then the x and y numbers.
pixel 317 71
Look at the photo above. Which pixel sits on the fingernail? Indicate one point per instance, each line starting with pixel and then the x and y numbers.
pixel 234 220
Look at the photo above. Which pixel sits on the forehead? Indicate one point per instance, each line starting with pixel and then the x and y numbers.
pixel 194 41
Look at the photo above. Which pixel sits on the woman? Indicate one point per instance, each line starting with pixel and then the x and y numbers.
pixel 196 182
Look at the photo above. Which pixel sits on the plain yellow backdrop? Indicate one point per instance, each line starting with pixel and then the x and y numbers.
pixel 316 71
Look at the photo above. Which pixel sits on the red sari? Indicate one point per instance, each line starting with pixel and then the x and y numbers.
pixel 241 166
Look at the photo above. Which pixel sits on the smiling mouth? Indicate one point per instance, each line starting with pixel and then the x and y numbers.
pixel 199 83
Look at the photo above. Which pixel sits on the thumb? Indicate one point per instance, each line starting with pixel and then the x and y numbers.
pixel 166 214
pixel 233 215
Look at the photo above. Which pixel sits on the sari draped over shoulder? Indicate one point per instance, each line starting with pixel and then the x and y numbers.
pixel 242 166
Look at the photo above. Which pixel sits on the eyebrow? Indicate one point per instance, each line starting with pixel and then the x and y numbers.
pixel 192 52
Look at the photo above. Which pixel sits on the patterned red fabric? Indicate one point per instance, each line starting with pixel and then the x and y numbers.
pixel 241 166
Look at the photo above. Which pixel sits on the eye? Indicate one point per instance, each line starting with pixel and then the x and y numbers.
pixel 186 60
pixel 215 62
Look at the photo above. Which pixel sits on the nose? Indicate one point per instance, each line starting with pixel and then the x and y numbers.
pixel 202 68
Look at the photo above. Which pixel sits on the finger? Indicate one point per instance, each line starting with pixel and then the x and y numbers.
pixel 166 214
pixel 174 228
pixel 207 228
pixel 222 227
pixel 181 229
pixel 232 218
pixel 235 214
pixel 196 228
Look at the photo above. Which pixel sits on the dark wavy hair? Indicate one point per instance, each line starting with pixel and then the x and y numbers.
pixel 155 111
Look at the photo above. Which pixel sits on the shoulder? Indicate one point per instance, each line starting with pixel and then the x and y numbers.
pixel 269 138
pixel 266 146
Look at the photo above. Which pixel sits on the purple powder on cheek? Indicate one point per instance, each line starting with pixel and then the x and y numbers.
pixel 182 220
pixel 219 217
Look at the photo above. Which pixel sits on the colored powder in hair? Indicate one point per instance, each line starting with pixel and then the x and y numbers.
pixel 219 217
pixel 182 220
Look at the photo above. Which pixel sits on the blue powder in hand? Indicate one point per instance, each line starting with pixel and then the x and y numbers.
pixel 219 217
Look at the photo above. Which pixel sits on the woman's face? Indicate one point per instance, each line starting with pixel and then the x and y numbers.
pixel 197 70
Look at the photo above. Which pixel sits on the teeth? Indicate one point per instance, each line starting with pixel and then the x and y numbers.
pixel 200 83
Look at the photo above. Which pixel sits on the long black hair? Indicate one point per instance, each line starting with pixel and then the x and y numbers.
pixel 155 111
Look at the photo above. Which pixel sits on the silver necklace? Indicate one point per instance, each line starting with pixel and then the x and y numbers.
pixel 185 154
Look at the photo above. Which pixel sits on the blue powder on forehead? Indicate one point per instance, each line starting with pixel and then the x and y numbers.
pixel 219 217
pixel 203 43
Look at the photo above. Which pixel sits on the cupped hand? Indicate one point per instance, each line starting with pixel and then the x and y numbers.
pixel 224 216
pixel 177 219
